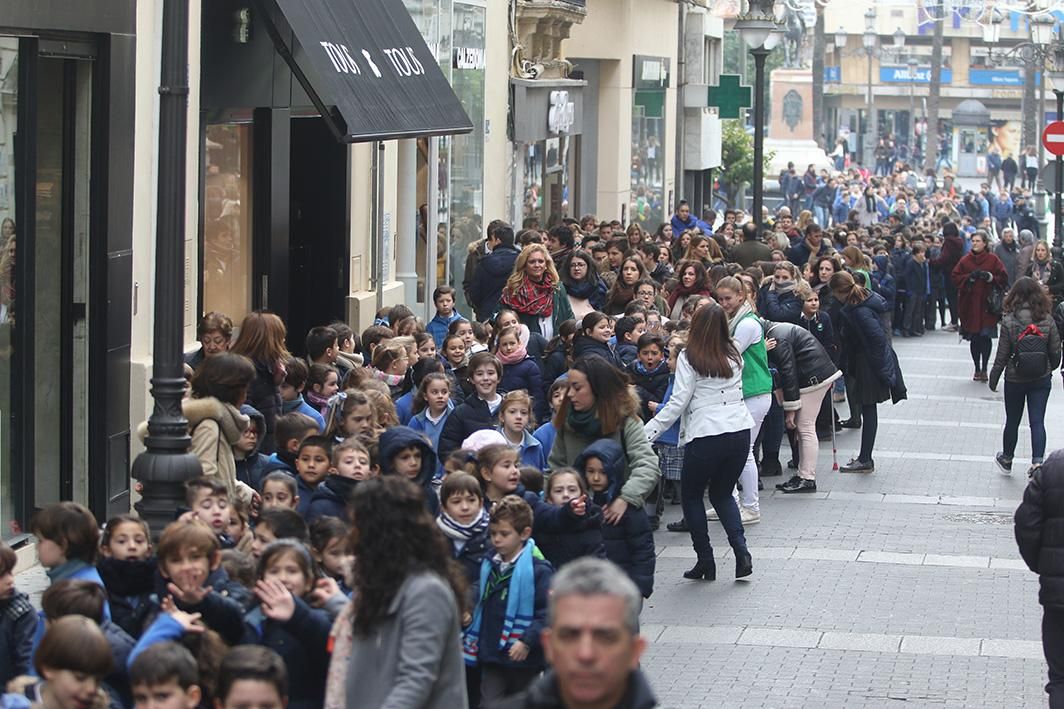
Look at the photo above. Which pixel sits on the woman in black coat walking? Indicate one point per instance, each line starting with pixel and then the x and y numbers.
pixel 868 361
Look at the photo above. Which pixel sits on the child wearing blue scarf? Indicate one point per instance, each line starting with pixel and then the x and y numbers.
pixel 511 611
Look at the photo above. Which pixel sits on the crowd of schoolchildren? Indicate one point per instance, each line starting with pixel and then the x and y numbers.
pixel 244 597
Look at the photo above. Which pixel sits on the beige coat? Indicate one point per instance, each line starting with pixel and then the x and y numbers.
pixel 215 426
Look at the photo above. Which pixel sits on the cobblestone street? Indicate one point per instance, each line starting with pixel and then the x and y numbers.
pixel 900 586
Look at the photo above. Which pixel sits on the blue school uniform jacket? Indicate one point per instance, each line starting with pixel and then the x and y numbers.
pixel 299 405
pixel 545 434
pixel 302 642
pixel 423 424
pixel 493 614
pixel 437 327
pixel 396 439
pixel 330 499
pixel 532 451
pixel 18 622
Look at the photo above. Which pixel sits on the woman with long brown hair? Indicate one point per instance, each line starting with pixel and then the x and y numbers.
pixel 1028 369
pixel 693 280
pixel 622 292
pixel 867 360
pixel 704 249
pixel 600 404
pixel 403 578
pixel 261 340
pixel 535 292
pixel 707 397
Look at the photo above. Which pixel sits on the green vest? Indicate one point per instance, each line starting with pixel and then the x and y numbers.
pixel 757 380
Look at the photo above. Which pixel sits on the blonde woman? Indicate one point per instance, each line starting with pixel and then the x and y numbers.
pixel 535 292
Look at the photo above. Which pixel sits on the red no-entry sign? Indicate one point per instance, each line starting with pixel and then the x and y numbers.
pixel 1053 137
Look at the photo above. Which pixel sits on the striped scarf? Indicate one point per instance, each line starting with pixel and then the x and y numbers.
pixel 520 601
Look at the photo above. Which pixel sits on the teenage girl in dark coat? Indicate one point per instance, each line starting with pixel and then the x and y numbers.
pixel 868 360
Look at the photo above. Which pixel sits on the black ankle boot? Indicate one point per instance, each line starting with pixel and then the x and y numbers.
pixel 744 564
pixel 706 569
pixel 770 468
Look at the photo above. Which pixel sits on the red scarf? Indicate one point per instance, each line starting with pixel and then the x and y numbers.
pixel 531 298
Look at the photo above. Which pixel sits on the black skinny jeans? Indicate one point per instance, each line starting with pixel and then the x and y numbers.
pixel 980 346
pixel 869 428
pixel 716 461
pixel 1036 396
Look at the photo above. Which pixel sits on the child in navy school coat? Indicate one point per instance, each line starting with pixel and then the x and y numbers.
pixel 630 542
pixel 519 371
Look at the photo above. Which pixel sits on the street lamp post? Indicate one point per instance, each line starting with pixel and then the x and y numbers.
pixel 166 464
pixel 1056 79
pixel 912 63
pixel 869 40
pixel 759 30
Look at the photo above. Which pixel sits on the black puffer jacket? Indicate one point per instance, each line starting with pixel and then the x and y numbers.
pixel 630 542
pixel 800 359
pixel 1039 527
pixel 470 416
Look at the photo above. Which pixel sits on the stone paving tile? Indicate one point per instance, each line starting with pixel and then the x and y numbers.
pixel 1030 649
pixel 779 637
pixel 864 642
pixel 925 645
pixel 889 557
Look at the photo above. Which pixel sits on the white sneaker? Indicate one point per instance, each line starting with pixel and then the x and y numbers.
pixel 749 516
pixel 711 515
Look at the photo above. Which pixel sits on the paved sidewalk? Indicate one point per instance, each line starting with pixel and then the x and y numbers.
pixel 902 587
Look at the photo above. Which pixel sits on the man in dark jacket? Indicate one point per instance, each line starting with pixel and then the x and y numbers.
pixel 812 244
pixel 590 598
pixel 1039 528
pixel 752 249
pixel 492 272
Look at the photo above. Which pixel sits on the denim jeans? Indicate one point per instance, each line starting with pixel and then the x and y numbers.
pixel 715 461
pixel 1036 395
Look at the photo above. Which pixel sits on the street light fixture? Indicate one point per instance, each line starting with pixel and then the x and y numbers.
pixel 760 31
pixel 992 27
pixel 899 39
pixel 1042 29
pixel 840 38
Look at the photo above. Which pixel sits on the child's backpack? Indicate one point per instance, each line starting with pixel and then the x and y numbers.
pixel 1032 353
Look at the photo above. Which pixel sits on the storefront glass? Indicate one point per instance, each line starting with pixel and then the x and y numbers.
pixel 650 80
pixel 467 151
pixel 8 229
pixel 549 175
pixel 227 255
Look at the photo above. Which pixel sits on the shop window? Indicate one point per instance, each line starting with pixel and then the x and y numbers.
pixel 227 254
pixel 467 151
pixel 648 159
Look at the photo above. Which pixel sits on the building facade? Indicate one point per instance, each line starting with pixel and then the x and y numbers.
pixel 302 197
pixel 870 95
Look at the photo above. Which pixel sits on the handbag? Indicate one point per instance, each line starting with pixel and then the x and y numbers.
pixel 995 300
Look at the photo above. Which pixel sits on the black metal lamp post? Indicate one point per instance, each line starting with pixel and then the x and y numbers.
pixel 166 464
pixel 1056 80
pixel 759 30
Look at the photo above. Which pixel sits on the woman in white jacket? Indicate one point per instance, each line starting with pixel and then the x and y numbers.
pixel 707 397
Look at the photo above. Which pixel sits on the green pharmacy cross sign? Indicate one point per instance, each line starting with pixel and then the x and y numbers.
pixel 730 96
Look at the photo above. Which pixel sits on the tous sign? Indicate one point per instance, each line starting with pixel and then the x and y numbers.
pixel 562 112
pixel 403 59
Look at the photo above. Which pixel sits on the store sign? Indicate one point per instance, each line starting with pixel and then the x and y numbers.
pixel 467 58
pixel 832 74
pixel 562 112
pixel 995 77
pixel 902 75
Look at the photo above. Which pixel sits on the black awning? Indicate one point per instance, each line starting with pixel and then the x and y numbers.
pixel 368 70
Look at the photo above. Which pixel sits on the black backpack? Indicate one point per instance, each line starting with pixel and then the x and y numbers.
pixel 1032 353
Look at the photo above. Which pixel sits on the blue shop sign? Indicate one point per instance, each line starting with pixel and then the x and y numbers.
pixel 995 77
pixel 900 75
pixel 832 74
